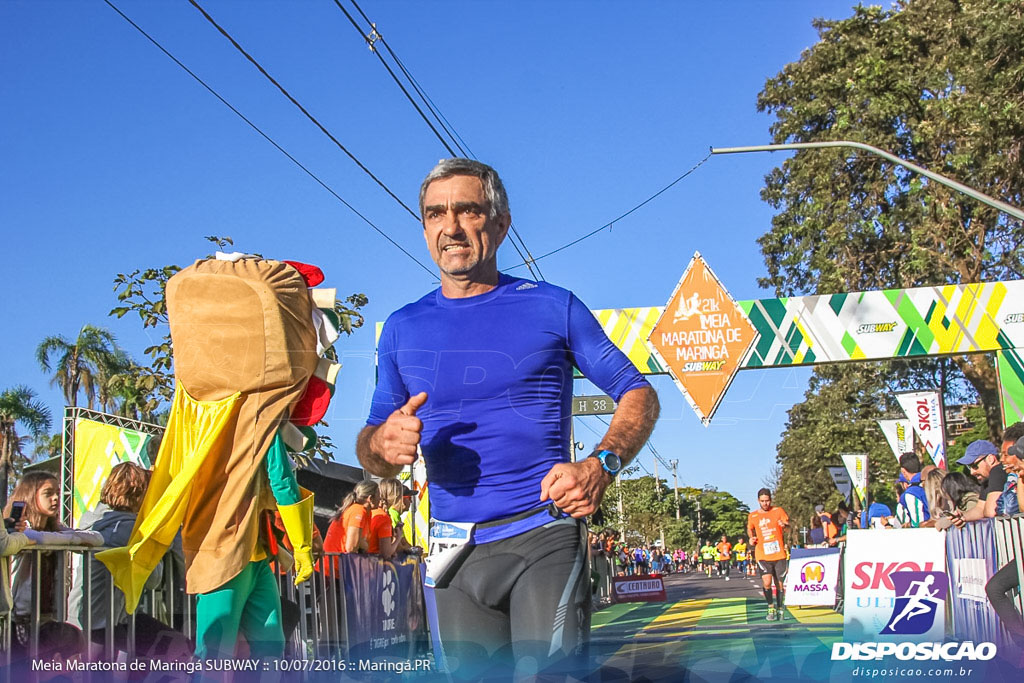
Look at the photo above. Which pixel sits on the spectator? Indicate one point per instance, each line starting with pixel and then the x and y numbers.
pixel 12 540
pixel 912 509
pixel 1008 503
pixel 931 482
pixel 877 516
pixel 392 499
pixel 841 518
pixel 816 537
pixel 350 526
pixel 40 491
pixel 828 526
pixel 982 460
pixel 1005 581
pixel 963 493
pixel 114 517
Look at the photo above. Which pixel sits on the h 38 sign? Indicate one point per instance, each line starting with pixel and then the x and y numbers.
pixel 592 405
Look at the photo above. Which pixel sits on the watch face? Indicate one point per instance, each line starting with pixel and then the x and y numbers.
pixel 612 462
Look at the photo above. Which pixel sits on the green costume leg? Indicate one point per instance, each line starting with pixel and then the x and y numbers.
pixel 248 603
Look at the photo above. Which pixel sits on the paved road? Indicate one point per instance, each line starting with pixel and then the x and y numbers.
pixel 711 629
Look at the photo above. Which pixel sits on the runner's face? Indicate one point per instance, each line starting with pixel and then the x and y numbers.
pixel 765 502
pixel 463 240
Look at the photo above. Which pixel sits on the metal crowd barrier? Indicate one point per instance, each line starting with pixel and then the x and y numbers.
pixel 1009 533
pixel 604 567
pixel 319 606
pixel 994 542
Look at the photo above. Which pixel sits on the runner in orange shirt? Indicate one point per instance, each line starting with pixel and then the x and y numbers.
pixel 765 527
pixel 724 549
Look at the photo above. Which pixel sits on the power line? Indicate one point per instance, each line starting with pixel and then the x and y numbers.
pixel 434 110
pixel 612 222
pixel 370 40
pixel 303 109
pixel 267 137
pixel 373 37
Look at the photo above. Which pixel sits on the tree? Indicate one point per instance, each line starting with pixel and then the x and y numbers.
pixel 18 406
pixel 938 83
pixel 838 415
pixel 80 363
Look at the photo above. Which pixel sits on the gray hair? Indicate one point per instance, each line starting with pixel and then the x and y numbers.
pixel 494 190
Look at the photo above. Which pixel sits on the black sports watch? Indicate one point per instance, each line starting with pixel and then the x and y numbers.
pixel 610 462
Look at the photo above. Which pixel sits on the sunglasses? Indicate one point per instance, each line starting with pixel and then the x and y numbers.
pixel 977 463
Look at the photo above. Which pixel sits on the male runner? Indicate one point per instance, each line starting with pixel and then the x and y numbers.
pixel 707 557
pixel 478 375
pixel 740 549
pixel 724 549
pixel 765 527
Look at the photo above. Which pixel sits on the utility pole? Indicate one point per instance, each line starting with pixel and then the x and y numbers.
pixel 675 483
pixel 622 514
pixel 699 539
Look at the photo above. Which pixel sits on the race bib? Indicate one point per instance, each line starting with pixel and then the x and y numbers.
pixel 771 548
pixel 448 543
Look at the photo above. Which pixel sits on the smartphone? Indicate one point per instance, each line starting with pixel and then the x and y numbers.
pixel 17 510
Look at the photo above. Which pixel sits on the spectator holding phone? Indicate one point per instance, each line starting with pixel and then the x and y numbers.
pixel 12 540
pixel 40 494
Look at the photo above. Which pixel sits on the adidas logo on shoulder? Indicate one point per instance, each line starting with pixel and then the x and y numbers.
pixel 526 285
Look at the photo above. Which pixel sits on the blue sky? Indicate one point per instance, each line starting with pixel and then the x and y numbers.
pixel 113 158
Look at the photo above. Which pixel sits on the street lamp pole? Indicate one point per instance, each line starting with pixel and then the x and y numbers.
pixel 675 483
pixel 948 182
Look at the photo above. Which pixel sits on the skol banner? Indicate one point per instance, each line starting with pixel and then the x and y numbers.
pixel 386 616
pixel 857 466
pixel 924 410
pixel 899 434
pixel 842 480
pixel 97 448
pixel 896 586
pixel 812 577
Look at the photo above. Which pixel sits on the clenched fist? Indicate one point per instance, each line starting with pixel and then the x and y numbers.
pixel 398 437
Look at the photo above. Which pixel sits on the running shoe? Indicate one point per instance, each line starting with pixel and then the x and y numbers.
pixel 782 614
pixel 772 614
pixel 727 578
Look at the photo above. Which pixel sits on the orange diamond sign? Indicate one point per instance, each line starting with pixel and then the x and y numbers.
pixel 702 338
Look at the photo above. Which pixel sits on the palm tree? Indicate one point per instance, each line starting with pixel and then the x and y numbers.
pixel 18 406
pixel 80 363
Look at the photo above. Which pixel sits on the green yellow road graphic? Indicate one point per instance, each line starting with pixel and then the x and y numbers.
pixel 718 638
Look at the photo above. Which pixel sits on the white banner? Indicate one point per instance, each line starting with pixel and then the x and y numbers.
pixel 896 585
pixel 857 466
pixel 841 478
pixel 971 577
pixel 899 434
pixel 924 410
pixel 812 577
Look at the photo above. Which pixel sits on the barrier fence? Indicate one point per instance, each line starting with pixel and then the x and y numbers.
pixel 353 606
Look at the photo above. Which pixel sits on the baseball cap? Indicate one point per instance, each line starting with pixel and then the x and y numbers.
pixel 875 510
pixel 977 450
pixel 1017 449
